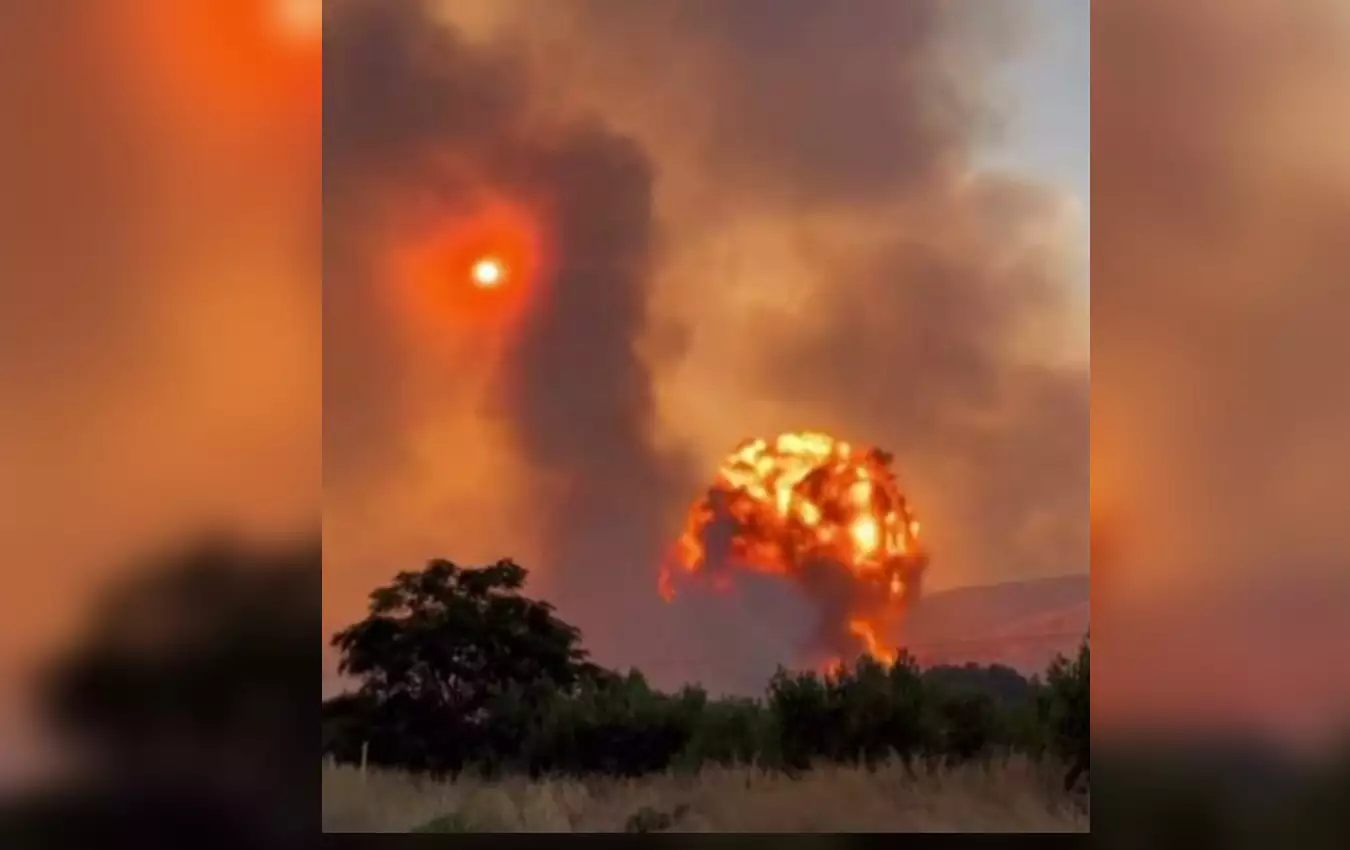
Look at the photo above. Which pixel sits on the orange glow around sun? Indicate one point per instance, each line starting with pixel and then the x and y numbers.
pixel 479 270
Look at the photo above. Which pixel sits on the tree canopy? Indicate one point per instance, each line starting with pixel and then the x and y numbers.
pixel 439 645
pixel 459 669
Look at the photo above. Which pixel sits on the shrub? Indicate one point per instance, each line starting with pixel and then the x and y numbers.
pixel 459 670
pixel 1066 712
pixel 866 713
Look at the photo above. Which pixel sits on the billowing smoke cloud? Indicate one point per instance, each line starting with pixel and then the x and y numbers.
pixel 569 388
pixel 1223 258
pixel 900 296
pixel 830 256
pixel 1218 447
pixel 800 103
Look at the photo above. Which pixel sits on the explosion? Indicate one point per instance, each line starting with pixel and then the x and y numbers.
pixel 820 512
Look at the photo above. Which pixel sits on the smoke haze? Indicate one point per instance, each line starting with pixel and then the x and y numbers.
pixel 752 221
pixel 1218 451
pixel 145 234
pixel 159 300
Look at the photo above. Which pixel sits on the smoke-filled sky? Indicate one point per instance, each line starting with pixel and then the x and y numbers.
pixel 1219 456
pixel 159 291
pixel 1226 260
pixel 735 219
pixel 159 296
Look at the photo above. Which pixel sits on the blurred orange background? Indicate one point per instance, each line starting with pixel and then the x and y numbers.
pixel 159 294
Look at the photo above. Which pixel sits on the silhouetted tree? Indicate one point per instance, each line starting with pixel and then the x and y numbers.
pixel 611 724
pixel 866 712
pixel 1002 684
pixel 187 693
pixel 970 725
pixel 730 731
pixel 439 648
pixel 459 669
pixel 1067 713
pixel 193 661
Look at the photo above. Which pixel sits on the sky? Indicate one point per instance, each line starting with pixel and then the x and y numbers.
pixel 184 334
pixel 1219 408
pixel 1048 126
pixel 1049 132
pixel 732 220
pixel 163 377
pixel 731 202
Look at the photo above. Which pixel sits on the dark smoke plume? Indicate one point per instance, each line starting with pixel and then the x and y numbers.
pixel 858 123
pixel 406 96
pixel 881 286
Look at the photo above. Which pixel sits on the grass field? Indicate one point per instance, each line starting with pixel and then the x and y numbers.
pixel 1007 796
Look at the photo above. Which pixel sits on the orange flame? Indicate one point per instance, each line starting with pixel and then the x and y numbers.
pixel 804 499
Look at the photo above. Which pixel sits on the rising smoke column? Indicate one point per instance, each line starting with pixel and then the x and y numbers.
pixel 424 133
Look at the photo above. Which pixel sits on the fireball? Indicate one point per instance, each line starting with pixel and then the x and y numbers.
pixel 815 510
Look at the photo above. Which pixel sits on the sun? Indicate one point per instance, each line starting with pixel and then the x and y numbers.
pixel 479 269
pixel 488 272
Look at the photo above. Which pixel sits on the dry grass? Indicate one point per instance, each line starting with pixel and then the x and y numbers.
pixel 1010 796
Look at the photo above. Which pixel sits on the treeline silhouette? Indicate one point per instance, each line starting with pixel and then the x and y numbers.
pixel 190 699
pixel 186 704
pixel 459 670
